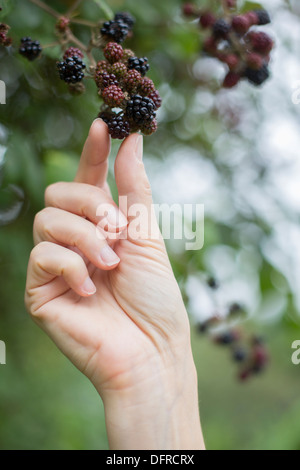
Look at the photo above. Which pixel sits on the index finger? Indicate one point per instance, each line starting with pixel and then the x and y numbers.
pixel 93 165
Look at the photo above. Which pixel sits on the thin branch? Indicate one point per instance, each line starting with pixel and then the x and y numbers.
pixel 73 8
pixel 52 44
pixel 76 41
pixel 45 7
pixel 83 22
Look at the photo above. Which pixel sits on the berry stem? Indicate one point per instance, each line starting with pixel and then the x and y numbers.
pixel 45 7
pixel 52 44
pixel 105 8
pixel 83 22
pixel 76 41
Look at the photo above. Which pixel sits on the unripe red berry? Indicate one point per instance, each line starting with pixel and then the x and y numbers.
pixel 207 19
pixel 210 45
pixel 156 98
pixel 113 52
pixel 231 3
pixel 255 61
pixel 240 24
pixel 113 96
pixel 132 81
pixel 73 52
pixel 63 24
pixel 260 42
pixel 231 80
pixel 146 86
pixel 148 128
pixel 103 66
pixel 188 9
pixel 252 18
pixel 119 69
pixel 231 60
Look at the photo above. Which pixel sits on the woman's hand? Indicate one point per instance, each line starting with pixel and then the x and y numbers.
pixel 102 288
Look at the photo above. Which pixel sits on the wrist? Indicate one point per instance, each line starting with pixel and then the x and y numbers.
pixel 158 410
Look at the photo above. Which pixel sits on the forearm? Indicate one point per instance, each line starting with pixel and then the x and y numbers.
pixel 158 412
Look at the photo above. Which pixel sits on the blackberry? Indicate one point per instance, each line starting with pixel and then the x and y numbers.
pixel 213 283
pixel 113 96
pixel 71 69
pixel 207 20
pixel 103 66
pixel 257 77
pixel 255 61
pixel 141 65
pixel 241 24
pixel 263 17
pixel 221 29
pixel 260 42
pixel 118 126
pixel 116 30
pixel 156 98
pixel 140 109
pixel 149 127
pixel 126 18
pixel 73 52
pixel 127 54
pixel 104 80
pixel 132 80
pixel 119 69
pixel 146 86
pixel 30 49
pixel 113 52
pixel 231 80
pixel 239 354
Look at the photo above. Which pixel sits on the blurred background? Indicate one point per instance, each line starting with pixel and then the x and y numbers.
pixel 235 151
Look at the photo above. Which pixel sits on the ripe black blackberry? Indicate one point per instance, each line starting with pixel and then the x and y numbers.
pixel 30 49
pixel 126 18
pixel 71 69
pixel 140 109
pixel 118 126
pixel 263 17
pixel 257 77
pixel 141 65
pixel 221 29
pixel 115 29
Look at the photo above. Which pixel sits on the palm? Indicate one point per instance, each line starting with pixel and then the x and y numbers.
pixel 137 305
pixel 112 329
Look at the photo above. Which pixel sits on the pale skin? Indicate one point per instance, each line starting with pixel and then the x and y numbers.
pixel 113 307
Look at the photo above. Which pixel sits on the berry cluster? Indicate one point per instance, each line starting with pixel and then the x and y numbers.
pixel 30 49
pixel 118 29
pixel 71 68
pixel 249 353
pixel 4 39
pixel 232 40
pixel 130 98
pixel 122 84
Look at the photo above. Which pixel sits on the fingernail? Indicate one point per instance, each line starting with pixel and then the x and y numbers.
pixel 88 287
pixel 139 148
pixel 116 218
pixel 108 256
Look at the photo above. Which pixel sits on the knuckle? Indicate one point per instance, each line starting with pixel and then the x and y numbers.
pixel 42 219
pixel 51 192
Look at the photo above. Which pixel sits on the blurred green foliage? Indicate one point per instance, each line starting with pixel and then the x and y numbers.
pixel 44 402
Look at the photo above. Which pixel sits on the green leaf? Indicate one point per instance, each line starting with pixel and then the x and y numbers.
pixel 105 8
pixel 249 6
pixel 6 6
